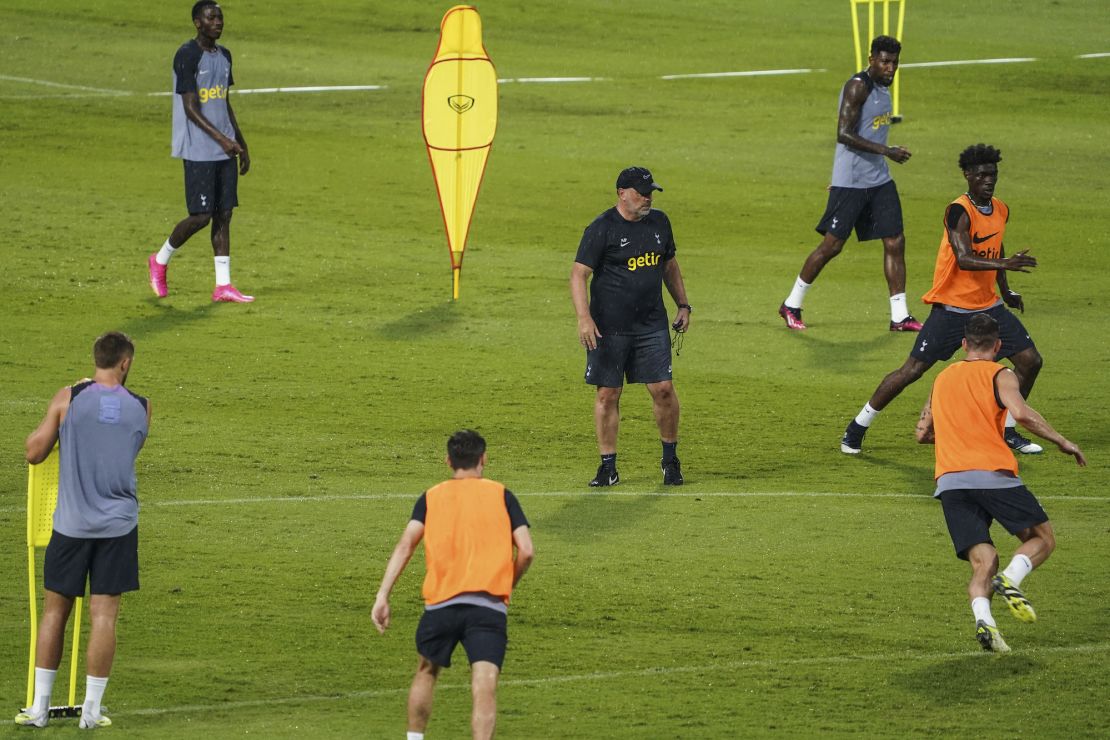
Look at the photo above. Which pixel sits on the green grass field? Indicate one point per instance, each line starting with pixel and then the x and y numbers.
pixel 786 590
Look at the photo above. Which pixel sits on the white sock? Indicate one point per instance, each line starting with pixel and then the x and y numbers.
pixel 165 253
pixel 1018 569
pixel 223 271
pixel 1010 423
pixel 798 294
pixel 981 608
pixel 94 692
pixel 44 687
pixel 866 415
pixel 414 736
pixel 898 309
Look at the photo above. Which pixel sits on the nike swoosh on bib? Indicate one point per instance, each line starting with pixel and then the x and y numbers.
pixel 980 239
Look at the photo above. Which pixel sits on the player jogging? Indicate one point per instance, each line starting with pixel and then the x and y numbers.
pixel 470 527
pixel 971 260
pixel 99 426
pixel 862 195
pixel 630 252
pixel 207 138
pixel 976 474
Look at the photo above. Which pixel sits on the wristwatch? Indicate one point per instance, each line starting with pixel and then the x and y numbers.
pixel 687 306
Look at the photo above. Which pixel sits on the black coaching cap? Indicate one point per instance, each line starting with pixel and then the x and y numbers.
pixel 638 178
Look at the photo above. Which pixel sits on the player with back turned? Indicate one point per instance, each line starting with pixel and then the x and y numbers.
pixel 976 474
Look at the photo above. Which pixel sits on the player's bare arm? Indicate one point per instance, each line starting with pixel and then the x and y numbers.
pixel 41 441
pixel 672 278
pixel 406 546
pixel 587 329
pixel 191 104
pixel 924 430
pixel 1012 298
pixel 960 239
pixel 525 552
pixel 855 94
pixel 244 157
pixel 1009 393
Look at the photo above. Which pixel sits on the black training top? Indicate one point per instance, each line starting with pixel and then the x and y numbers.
pixel 627 258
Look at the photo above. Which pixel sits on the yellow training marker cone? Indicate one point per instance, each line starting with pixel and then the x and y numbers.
pixel 460 119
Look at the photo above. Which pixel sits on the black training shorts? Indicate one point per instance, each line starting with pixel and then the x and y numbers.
pixel 943 332
pixel 970 511
pixel 111 564
pixel 641 358
pixel 874 213
pixel 211 186
pixel 482 631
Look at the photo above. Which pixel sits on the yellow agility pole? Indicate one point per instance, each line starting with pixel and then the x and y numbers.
pixel 42 497
pixel 863 45
pixel 459 121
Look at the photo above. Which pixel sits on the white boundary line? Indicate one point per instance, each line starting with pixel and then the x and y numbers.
pixel 960 62
pixel 411 496
pixel 750 73
pixel 732 665
pixel 553 79
pixel 1098 55
pixel 48 83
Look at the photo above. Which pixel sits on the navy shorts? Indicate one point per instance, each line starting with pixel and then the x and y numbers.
pixel 482 631
pixel 969 513
pixel 211 186
pixel 943 333
pixel 873 212
pixel 111 564
pixel 641 358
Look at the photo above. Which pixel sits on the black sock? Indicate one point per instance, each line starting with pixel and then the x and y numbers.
pixel 609 461
pixel 669 449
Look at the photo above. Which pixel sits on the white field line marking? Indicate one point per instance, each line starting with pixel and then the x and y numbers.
pixel 1007 60
pixel 751 73
pixel 315 88
pixel 1098 55
pixel 48 83
pixel 734 665
pixel 411 496
pixel 553 79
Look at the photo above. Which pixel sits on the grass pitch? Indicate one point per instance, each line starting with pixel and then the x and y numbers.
pixel 786 589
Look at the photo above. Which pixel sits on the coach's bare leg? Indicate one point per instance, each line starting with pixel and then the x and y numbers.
pixel 188 226
pixel 664 403
pixel 894 263
pixel 607 418
pixel 483 688
pixel 1037 543
pixel 829 247
pixel 984 564
pixel 1027 366
pixel 52 630
pixel 103 610
pixel 421 694
pixel 895 382
pixel 221 234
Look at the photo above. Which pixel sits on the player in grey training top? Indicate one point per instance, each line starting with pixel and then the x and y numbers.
pixel 207 138
pixel 862 195
pixel 99 427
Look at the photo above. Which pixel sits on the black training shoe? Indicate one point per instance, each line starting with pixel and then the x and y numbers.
pixel 607 475
pixel 852 441
pixel 1018 443
pixel 672 472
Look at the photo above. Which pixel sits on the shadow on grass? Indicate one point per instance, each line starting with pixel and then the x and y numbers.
pixel 594 515
pixel 948 682
pixel 844 357
pixel 165 318
pixel 423 322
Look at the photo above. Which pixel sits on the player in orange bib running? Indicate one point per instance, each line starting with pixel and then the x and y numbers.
pixel 971 259
pixel 976 474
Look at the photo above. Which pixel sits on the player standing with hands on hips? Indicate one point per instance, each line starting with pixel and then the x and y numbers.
pixel 630 252
pixel 470 527
pixel 99 427
pixel 977 479
pixel 862 195
pixel 207 138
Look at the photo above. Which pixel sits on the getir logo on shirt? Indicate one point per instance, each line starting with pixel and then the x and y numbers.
pixel 651 259
pixel 879 121
pixel 211 93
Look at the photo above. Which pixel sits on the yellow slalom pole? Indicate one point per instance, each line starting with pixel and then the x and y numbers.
pixel 855 33
pixel 898 75
pixel 74 652
pixel 34 616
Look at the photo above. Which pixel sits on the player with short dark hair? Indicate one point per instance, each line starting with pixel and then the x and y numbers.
pixel 206 137
pixel 470 527
pixel 863 195
pixel 976 474
pixel 99 427
pixel 630 252
pixel 971 262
